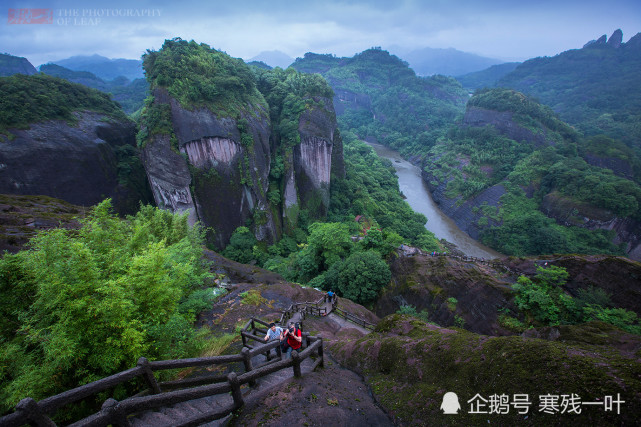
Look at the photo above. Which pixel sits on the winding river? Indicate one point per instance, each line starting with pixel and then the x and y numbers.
pixel 420 199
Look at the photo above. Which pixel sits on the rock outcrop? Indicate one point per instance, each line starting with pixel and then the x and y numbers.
pixel 210 173
pixel 615 39
pixel 504 122
pixel 452 292
pixel 76 163
pixel 465 213
pixel 223 183
pixel 411 365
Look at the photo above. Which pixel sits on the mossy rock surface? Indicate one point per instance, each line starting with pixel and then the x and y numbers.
pixel 410 365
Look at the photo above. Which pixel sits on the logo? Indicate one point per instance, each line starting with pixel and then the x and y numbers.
pixel 30 16
pixel 450 403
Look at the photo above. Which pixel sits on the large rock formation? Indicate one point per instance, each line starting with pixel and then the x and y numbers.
pixel 504 122
pixel 256 155
pixel 223 183
pixel 76 163
pixel 211 174
pixel 411 365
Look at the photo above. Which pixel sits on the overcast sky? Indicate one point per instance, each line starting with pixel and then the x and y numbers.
pixel 502 29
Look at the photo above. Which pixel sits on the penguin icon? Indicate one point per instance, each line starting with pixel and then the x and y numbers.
pixel 450 403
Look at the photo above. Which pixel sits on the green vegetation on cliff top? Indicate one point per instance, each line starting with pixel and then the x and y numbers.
pixel 31 99
pixel 198 76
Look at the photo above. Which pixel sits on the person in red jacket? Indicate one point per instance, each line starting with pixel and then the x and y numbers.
pixel 294 339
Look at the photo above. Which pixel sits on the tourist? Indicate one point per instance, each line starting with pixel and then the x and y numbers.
pixel 274 333
pixel 294 339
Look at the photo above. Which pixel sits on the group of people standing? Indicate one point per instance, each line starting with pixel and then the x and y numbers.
pixel 290 338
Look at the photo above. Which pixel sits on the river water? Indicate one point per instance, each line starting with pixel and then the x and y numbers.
pixel 420 199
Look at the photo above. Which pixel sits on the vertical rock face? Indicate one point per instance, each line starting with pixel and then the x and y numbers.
pixel 615 39
pixel 76 163
pixel 210 173
pixel 169 177
pixel 318 156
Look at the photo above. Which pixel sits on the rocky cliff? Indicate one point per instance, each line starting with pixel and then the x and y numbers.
pixel 247 158
pixel 77 163
pixel 210 173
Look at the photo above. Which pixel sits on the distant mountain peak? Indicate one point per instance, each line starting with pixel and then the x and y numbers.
pixel 273 58
pixel 614 41
pixel 450 61
pixel 616 38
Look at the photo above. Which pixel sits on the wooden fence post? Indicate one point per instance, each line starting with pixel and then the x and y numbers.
pixel 31 410
pixel 116 416
pixel 235 389
pixel 320 353
pixel 248 363
pixel 305 341
pixel 148 375
pixel 296 359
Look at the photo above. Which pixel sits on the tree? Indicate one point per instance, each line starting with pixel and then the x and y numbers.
pixel 241 245
pixel 362 275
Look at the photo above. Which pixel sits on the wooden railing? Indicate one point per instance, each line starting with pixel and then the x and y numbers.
pixel 113 412
pixel 314 308
pixel 352 318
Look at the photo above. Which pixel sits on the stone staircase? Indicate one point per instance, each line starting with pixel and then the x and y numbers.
pixel 191 413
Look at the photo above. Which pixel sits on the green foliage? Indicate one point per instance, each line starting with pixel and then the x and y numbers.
pixel 155 119
pixel 84 305
pixel 199 76
pixel 362 275
pixel 370 188
pixel 252 297
pixel 240 246
pixel 619 317
pixel 594 88
pixel 544 297
pixel 31 99
pixel 546 301
pixel 384 99
pixel 411 310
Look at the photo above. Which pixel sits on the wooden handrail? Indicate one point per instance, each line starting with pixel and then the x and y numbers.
pixel 28 411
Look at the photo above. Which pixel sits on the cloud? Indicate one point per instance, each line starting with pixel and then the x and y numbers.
pixel 500 28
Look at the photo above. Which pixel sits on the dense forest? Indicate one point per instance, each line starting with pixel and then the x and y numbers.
pixel 129 94
pixel 536 175
pixel 379 97
pixel 594 88
pixel 80 305
pixel 29 99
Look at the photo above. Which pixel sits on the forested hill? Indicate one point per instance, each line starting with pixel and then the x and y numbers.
pixel 378 96
pixel 129 94
pixel 516 176
pixel 10 65
pixel 595 88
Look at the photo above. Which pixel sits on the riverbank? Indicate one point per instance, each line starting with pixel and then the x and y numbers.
pixel 418 196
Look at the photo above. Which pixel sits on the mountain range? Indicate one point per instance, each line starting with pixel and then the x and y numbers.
pixel 105 68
